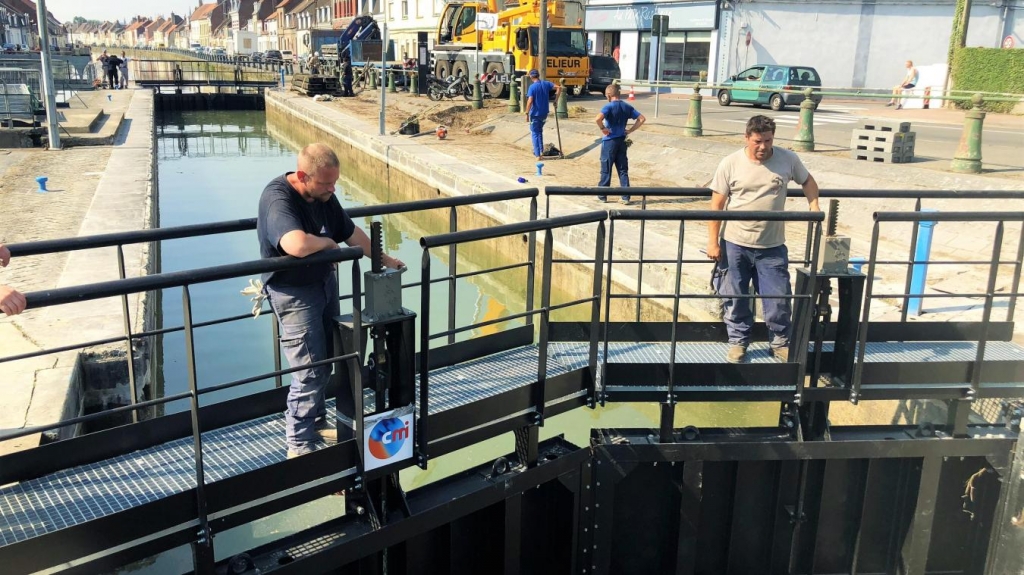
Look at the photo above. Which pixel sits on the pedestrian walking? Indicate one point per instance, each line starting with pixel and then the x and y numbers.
pixel 612 122
pixel 113 62
pixel 299 215
pixel 755 179
pixel 538 104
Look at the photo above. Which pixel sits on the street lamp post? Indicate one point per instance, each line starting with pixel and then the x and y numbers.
pixel 47 77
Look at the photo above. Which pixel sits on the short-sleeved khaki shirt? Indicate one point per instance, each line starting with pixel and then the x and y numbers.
pixel 751 186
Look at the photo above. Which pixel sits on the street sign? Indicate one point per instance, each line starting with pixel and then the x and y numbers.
pixel 487 22
pixel 1008 42
pixel 659 25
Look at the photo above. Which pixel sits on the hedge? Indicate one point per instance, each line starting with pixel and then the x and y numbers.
pixel 989 70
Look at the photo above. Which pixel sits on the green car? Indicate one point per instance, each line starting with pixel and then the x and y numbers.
pixel 763 85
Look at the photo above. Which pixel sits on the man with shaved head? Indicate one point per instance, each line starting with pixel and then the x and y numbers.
pixel 299 215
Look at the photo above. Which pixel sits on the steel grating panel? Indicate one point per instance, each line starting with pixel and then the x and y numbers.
pixel 79 494
pixel 933 351
pixel 477 379
pixel 576 355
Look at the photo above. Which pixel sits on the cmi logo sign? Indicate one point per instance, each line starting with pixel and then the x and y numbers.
pixel 388 437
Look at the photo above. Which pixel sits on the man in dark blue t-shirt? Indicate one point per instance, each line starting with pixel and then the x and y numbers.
pixel 299 215
pixel 538 103
pixel 612 122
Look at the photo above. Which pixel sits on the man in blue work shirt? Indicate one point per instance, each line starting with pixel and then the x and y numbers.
pixel 538 102
pixel 612 122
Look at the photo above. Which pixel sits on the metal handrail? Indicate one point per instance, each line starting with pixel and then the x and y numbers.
pixel 184 279
pixel 120 239
pixel 999 218
pixel 682 216
pixel 452 240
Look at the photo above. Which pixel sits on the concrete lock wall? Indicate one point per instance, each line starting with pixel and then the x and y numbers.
pixel 855 44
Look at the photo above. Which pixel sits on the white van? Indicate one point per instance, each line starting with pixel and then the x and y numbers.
pixel 287 55
pixel 195 47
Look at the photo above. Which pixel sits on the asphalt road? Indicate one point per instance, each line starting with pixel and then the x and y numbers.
pixel 1002 148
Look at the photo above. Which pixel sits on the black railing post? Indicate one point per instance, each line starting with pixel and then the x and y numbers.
pixel 126 316
pixel 640 263
pixel 986 314
pixel 668 406
pixel 545 322
pixel 423 456
pixel 862 330
pixel 595 315
pixel 202 547
pixel 531 258
pixel 357 373
pixel 607 311
pixel 798 352
pixel 910 264
pixel 1012 304
pixel 453 271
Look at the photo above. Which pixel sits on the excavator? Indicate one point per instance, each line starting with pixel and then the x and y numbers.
pixel 510 51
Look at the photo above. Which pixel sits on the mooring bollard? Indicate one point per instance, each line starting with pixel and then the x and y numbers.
pixel 478 96
pixel 804 141
pixel 968 154
pixel 562 105
pixel 540 168
pixel 919 273
pixel 694 127
pixel 513 97
pixel 41 180
pixel 372 79
pixel 391 82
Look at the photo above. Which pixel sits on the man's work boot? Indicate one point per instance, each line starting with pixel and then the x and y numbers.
pixel 781 353
pixel 328 434
pixel 293 454
pixel 737 354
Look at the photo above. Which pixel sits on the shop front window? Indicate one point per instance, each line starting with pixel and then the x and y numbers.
pixel 684 56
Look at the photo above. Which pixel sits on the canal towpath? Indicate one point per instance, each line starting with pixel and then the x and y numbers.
pixel 93 189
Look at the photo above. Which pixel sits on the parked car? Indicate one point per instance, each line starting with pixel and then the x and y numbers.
pixel 218 52
pixel 10 48
pixel 757 85
pixel 287 55
pixel 273 57
pixel 256 57
pixel 604 70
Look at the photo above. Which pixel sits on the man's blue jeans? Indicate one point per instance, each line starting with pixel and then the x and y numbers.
pixel 306 314
pixel 537 134
pixel 768 268
pixel 614 152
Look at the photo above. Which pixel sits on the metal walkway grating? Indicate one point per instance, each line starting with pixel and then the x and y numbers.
pixel 74 496
pixel 934 351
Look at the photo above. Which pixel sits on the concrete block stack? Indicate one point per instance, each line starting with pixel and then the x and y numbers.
pixel 887 141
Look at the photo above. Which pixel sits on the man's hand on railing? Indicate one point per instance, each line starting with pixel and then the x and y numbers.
pixel 5 256
pixel 11 301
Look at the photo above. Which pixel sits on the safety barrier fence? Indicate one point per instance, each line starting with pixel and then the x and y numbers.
pixel 122 239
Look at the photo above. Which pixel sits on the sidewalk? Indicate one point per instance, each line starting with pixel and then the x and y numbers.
pixel 92 190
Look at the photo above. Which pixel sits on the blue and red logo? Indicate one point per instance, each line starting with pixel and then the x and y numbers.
pixel 388 437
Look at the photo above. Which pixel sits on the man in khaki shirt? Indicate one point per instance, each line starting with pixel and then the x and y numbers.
pixel 755 179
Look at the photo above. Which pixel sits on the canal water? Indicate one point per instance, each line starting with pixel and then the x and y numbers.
pixel 212 167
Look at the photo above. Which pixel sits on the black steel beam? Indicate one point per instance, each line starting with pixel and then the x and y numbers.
pixel 725 375
pixel 649 331
pixel 914 556
pixel 433 506
pixel 477 347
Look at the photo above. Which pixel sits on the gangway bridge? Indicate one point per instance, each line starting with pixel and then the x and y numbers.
pixel 803 496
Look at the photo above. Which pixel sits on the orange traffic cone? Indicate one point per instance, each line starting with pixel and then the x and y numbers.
pixel 632 95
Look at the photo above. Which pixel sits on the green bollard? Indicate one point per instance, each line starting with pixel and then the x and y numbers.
pixel 694 128
pixel 804 141
pixel 967 159
pixel 513 97
pixel 478 97
pixel 372 78
pixel 414 83
pixel 391 82
pixel 562 106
